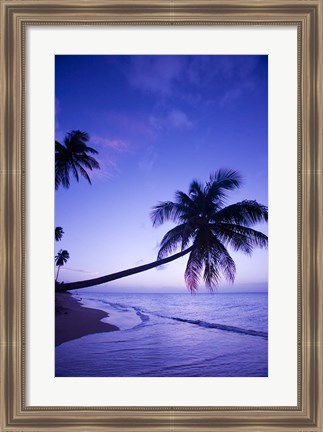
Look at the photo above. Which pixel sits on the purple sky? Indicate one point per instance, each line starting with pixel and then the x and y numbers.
pixel 157 122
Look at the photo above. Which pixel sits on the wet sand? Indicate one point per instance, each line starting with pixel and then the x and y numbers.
pixel 73 321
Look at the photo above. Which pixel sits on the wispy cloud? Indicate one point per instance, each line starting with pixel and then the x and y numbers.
pixel 175 119
pixel 179 119
pixel 108 168
pixel 59 134
pixel 166 76
pixel 201 70
pixel 238 71
pixel 68 269
pixel 155 74
pixel 107 148
pixel 110 143
pixel 135 126
pixel 148 160
pixel 235 93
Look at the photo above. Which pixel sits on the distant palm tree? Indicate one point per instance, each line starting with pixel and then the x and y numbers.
pixel 61 259
pixel 206 227
pixel 73 157
pixel 58 233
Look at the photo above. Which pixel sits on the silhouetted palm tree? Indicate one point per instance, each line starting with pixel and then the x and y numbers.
pixel 61 259
pixel 58 233
pixel 73 157
pixel 206 227
pixel 205 224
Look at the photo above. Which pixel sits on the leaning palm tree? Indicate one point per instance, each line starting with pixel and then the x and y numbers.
pixel 58 233
pixel 73 156
pixel 61 259
pixel 206 227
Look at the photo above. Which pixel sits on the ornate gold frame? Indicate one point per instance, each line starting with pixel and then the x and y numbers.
pixel 15 16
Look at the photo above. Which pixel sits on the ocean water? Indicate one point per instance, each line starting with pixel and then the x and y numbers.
pixel 172 335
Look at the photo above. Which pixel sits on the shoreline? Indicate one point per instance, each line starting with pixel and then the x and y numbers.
pixel 72 320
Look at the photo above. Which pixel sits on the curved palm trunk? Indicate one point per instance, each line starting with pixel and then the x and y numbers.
pixel 124 273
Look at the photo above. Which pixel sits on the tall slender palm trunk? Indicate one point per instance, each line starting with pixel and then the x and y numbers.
pixel 57 272
pixel 124 273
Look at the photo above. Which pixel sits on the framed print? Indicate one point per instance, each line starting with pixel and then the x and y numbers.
pixel 177 151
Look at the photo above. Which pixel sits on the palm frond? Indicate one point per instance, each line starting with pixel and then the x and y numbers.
pixel 243 213
pixel 87 161
pixel 196 189
pixel 58 233
pixel 181 236
pixel 223 259
pixel 84 173
pixel 225 179
pixel 240 238
pixel 211 273
pixel 76 137
pixel 73 166
pixel 61 257
pixel 59 148
pixel 215 259
pixel 166 211
pixel 91 150
pixel 171 241
pixel 188 234
pixel 61 174
pixel 65 179
pixel 220 182
pixel 184 200
pixel 194 268
pixel 91 162
pixel 74 156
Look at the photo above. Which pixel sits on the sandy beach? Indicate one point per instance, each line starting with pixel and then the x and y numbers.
pixel 73 321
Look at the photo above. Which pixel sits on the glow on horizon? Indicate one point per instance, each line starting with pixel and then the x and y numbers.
pixel 157 122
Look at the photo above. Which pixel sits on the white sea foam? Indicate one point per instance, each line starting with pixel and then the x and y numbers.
pixel 123 318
